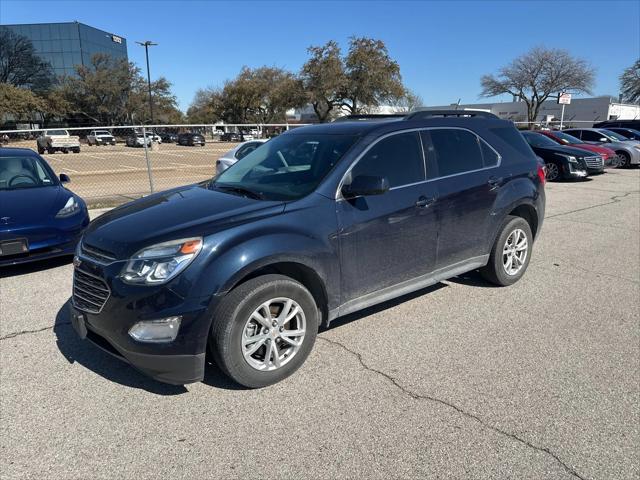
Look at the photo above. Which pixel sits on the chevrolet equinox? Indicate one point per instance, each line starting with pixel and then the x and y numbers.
pixel 319 222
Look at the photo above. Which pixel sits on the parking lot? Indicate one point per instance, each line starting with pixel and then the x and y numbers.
pixel 112 174
pixel 460 380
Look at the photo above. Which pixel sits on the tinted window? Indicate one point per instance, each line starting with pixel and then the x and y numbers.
pixel 398 157
pixel 514 138
pixel 455 151
pixel 490 157
pixel 591 136
pixel 538 140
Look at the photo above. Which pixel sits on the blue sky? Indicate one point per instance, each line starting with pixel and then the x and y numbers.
pixel 443 48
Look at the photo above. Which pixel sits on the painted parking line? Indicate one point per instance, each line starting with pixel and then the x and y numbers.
pixel 95 156
pixel 129 167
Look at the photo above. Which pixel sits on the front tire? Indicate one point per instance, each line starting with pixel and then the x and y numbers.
pixel 264 330
pixel 554 171
pixel 510 253
pixel 625 160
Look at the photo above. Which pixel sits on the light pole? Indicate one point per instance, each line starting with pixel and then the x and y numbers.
pixel 146 46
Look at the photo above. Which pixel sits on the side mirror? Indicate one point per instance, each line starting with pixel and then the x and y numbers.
pixel 64 178
pixel 364 185
pixel 604 140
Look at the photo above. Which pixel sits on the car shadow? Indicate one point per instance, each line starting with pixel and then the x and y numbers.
pixel 32 267
pixel 472 279
pixel 352 317
pixel 111 368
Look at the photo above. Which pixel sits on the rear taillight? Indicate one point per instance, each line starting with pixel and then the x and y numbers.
pixel 542 174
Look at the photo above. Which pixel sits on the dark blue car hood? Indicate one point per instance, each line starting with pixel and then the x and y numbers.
pixel 179 213
pixel 576 152
pixel 28 206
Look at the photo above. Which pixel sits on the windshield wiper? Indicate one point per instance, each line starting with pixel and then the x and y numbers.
pixel 239 190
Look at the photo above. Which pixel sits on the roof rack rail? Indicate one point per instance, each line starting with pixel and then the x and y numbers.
pixel 369 116
pixel 424 114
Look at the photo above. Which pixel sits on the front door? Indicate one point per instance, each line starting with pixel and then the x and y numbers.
pixel 389 238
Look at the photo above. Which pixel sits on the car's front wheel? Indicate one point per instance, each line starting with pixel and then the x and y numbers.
pixel 263 330
pixel 510 254
pixel 554 172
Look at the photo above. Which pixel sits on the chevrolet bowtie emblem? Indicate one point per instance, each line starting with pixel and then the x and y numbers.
pixel 5 220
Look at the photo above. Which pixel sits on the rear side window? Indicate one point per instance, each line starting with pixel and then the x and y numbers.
pixel 398 157
pixel 455 151
pixel 514 138
pixel 591 136
pixel 489 156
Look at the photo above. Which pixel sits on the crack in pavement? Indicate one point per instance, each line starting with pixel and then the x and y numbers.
pixel 614 199
pixel 417 396
pixel 24 332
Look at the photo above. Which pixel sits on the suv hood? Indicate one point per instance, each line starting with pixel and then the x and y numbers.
pixel 190 211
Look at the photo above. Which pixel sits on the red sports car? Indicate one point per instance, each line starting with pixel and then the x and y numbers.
pixel 565 139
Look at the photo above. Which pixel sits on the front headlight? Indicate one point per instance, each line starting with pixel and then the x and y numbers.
pixel 570 158
pixel 637 147
pixel 162 262
pixel 70 208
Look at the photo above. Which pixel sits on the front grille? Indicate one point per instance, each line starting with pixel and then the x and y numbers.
pixel 90 293
pixel 96 254
pixel 594 162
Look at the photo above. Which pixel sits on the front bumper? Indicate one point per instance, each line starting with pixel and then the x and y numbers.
pixel 178 362
pixel 575 170
pixel 45 242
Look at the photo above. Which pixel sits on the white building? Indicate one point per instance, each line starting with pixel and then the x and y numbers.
pixel 581 111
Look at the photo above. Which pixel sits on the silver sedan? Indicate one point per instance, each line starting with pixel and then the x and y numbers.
pixel 239 151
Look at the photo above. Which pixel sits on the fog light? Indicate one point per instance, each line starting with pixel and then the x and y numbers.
pixel 156 331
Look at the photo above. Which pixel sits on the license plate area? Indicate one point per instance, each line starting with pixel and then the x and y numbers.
pixel 14 247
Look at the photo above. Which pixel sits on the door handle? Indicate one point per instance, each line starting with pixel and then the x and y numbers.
pixel 424 202
pixel 495 182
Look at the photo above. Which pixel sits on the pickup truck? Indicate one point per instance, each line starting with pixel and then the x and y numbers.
pixel 53 141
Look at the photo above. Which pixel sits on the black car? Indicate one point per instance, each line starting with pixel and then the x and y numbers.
pixel 563 163
pixel 635 124
pixel 630 133
pixel 317 223
pixel 231 137
pixel 167 137
pixel 191 139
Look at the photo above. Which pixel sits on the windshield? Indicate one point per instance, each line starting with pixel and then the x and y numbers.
pixel 614 135
pixel 285 168
pixel 538 140
pixel 102 132
pixel 23 172
pixel 566 138
pixel 57 132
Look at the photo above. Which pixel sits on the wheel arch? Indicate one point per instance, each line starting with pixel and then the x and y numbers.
pixel 529 214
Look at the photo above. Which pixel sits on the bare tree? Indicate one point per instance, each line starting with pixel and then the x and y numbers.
pixel 630 83
pixel 408 102
pixel 538 74
pixel 20 65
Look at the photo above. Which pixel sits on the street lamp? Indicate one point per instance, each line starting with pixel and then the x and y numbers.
pixel 146 46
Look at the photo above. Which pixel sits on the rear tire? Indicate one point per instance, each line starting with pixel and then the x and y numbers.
pixel 514 233
pixel 235 323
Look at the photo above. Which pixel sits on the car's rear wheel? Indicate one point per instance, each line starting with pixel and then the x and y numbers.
pixel 554 172
pixel 624 159
pixel 510 254
pixel 263 330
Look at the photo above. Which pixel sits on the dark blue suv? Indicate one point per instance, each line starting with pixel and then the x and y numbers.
pixel 317 223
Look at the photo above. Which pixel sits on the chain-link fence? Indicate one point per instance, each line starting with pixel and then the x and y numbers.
pixel 113 165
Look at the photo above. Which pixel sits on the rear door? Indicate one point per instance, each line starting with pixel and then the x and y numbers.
pixel 465 169
pixel 390 238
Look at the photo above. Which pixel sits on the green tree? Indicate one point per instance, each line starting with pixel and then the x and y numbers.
pixel 19 102
pixel 323 79
pixel 20 66
pixel 538 74
pixel 206 107
pixel 372 76
pixel 630 83
pixel 165 106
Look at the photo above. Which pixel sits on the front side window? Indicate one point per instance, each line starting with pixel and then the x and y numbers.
pixel 398 158
pixel 455 151
pixel 287 167
pixel 538 140
pixel 23 172
pixel 592 136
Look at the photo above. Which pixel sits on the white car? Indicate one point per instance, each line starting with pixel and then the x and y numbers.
pixel 100 137
pixel 239 151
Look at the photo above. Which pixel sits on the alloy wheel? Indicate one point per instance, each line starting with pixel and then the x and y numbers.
pixel 552 171
pixel 273 334
pixel 514 252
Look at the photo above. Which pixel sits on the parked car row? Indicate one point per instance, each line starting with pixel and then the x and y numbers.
pixel 580 152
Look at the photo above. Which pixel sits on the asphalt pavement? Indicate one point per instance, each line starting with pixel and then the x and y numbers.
pixel 460 380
